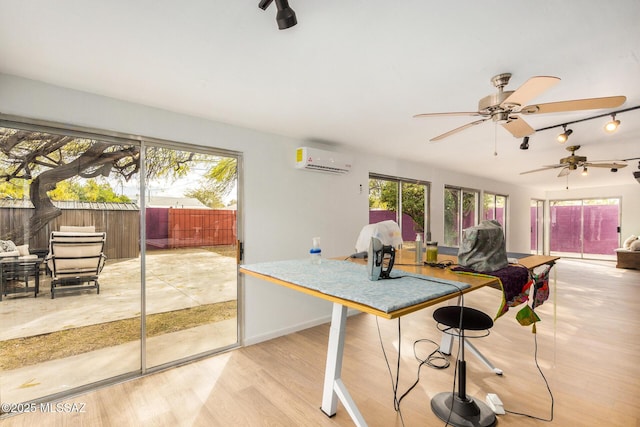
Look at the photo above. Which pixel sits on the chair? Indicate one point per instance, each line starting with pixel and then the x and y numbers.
pixel 456 408
pixel 75 260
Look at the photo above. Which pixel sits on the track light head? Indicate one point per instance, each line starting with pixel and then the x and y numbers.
pixel 525 143
pixel 264 4
pixel 612 126
pixel 286 17
pixel 563 137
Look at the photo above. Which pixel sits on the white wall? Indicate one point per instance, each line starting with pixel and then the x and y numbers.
pixel 283 207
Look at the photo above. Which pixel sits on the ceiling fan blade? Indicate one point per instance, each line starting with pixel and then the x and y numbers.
pixel 576 104
pixel 518 127
pixel 564 172
pixel 458 129
pixel 535 170
pixel 614 165
pixel 463 113
pixel 529 90
pixel 544 168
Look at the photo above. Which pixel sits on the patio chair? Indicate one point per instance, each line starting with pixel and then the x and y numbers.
pixel 75 260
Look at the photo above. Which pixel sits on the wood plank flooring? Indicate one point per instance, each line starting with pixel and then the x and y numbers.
pixel 588 349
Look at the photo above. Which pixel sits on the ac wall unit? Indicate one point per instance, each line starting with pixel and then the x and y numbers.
pixel 323 161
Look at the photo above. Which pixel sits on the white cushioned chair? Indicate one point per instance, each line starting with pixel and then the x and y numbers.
pixel 75 260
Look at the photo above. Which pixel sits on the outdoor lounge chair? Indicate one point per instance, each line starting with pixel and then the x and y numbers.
pixel 75 260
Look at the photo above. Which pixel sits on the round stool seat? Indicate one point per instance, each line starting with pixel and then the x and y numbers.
pixel 472 319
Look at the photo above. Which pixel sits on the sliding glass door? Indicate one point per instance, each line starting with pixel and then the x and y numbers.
pixel 167 270
pixel 585 228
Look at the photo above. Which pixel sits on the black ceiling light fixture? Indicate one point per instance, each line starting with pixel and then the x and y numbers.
pixel 525 143
pixel 564 136
pixel 285 17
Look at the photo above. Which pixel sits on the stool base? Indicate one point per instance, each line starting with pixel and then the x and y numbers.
pixel 469 412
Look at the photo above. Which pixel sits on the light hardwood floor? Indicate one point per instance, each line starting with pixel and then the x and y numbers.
pixel 588 349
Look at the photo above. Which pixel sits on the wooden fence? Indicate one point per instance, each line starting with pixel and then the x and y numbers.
pixel 166 227
pixel 121 225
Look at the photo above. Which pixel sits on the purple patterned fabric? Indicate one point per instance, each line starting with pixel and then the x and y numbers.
pixel 515 284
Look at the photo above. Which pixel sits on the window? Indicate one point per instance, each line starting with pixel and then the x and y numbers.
pixel 495 207
pixel 461 210
pixel 401 200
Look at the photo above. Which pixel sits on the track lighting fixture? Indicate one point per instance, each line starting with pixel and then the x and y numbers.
pixel 612 126
pixel 285 17
pixel 525 143
pixel 564 136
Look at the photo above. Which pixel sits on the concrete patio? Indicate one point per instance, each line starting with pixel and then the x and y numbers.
pixel 175 279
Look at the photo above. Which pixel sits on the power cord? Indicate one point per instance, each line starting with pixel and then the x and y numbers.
pixel 535 358
pixel 436 359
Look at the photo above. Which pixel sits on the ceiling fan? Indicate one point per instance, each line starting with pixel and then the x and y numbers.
pixel 504 107
pixel 573 162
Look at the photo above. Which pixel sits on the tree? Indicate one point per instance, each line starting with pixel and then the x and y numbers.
pixel 207 197
pixel 219 181
pixel 223 176
pixel 44 160
pixel 383 194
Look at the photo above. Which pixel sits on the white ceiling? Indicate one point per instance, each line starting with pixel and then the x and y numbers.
pixel 351 72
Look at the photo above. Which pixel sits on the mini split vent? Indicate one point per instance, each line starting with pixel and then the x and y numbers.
pixel 322 161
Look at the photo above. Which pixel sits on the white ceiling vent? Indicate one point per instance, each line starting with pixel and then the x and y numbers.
pixel 323 161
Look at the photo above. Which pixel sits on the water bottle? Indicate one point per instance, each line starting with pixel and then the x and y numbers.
pixel 418 249
pixel 315 252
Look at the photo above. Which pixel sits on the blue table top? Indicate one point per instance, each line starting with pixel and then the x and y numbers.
pixel 349 281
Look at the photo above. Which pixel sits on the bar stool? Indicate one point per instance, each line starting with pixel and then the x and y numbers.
pixel 458 409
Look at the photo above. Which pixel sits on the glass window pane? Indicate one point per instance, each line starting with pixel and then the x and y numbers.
pixel 452 217
pixel 489 206
pixel 413 211
pixel 190 262
pixel 383 200
pixel 566 227
pixel 58 341
pixel 469 209
pixel 501 204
